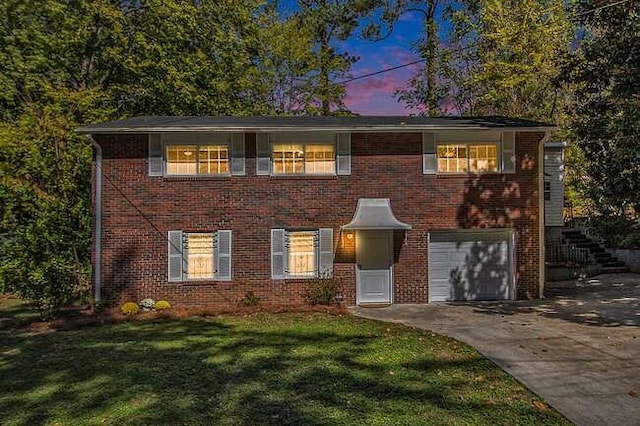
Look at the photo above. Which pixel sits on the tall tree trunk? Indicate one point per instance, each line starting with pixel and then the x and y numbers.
pixel 325 104
pixel 431 54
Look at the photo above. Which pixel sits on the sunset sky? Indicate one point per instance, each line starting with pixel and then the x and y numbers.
pixel 375 95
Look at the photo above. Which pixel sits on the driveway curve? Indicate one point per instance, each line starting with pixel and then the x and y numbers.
pixel 579 349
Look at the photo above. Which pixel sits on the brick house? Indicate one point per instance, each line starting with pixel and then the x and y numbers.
pixel 201 210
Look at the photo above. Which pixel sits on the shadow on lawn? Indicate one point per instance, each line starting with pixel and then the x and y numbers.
pixel 206 372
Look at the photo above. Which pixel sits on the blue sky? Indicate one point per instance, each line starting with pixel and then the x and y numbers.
pixel 375 95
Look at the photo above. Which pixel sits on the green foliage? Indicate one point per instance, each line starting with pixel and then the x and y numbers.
pixel 250 299
pixel 65 64
pixel 423 91
pixel 327 23
pixel 44 191
pixel 129 308
pixel 323 291
pixel 505 57
pixel 615 231
pixel 604 113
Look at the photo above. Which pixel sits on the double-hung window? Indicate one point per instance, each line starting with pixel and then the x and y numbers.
pixel 196 154
pixel 303 154
pixel 468 152
pixel 199 255
pixel 202 159
pixel 301 253
pixel 304 158
pixel 467 157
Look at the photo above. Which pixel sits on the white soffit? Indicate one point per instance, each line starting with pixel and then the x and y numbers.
pixel 374 213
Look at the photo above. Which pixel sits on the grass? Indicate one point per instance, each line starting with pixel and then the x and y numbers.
pixel 283 369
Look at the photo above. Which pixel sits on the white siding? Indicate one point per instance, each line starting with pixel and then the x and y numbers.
pixel 554 174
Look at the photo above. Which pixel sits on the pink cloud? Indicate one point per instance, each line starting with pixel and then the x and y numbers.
pixel 374 95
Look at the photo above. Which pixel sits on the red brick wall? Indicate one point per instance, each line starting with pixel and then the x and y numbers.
pixel 383 166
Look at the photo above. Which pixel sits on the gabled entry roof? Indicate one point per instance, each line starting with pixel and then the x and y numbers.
pixel 374 213
pixel 151 124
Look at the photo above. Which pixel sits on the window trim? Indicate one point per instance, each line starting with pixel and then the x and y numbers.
pixel 323 245
pixel 197 140
pixel 467 145
pixel 185 268
pixel 432 141
pixel 183 254
pixel 316 254
pixel 304 139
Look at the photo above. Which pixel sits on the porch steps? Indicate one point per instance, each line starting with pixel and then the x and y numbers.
pixel 609 263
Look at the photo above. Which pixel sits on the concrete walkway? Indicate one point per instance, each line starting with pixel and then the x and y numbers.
pixel 579 350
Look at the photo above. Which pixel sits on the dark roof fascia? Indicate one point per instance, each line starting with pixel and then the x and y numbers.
pixel 310 124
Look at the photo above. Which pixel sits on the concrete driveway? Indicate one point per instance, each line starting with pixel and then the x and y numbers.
pixel 579 349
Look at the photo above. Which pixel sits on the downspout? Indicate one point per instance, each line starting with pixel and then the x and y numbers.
pixel 97 269
pixel 541 210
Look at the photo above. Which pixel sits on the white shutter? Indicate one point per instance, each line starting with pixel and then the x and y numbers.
pixel 237 154
pixel 429 158
pixel 155 155
pixel 176 249
pixel 325 252
pixel 343 157
pixel 508 152
pixel 278 253
pixel 263 154
pixel 223 255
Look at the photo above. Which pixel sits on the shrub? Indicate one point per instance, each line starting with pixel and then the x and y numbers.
pixel 147 304
pixel 250 299
pixel 323 291
pixel 616 231
pixel 161 305
pixel 129 308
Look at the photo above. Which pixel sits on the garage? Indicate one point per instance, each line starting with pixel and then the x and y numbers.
pixel 471 265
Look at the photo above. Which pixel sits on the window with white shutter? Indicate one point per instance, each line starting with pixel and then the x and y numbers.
pixel 197 256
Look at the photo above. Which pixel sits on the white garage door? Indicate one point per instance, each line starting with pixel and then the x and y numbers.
pixel 470 265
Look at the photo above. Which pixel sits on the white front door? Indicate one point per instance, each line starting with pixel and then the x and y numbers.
pixel 374 260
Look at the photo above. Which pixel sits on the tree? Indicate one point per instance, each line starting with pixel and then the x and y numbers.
pixel 64 64
pixel 328 22
pixel 286 58
pixel 604 112
pixel 423 91
pixel 504 57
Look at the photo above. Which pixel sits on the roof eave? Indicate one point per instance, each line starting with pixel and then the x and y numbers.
pixel 268 129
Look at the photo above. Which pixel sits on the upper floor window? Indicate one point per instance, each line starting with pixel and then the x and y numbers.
pixel 547 191
pixel 461 152
pixel 303 158
pixel 467 157
pixel 201 159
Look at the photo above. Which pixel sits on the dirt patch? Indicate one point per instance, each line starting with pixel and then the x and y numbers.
pixel 87 318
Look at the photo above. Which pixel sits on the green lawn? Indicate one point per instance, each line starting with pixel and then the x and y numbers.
pixel 298 369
